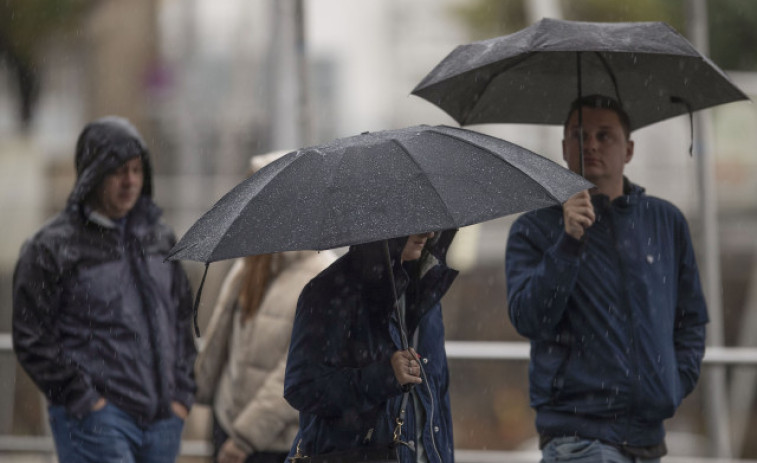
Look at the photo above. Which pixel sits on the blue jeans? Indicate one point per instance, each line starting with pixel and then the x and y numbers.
pixel 109 435
pixel 578 450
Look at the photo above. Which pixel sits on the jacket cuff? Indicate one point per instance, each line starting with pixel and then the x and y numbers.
pixel 569 247
pixel 184 398
pixel 245 446
pixel 83 405
pixel 379 380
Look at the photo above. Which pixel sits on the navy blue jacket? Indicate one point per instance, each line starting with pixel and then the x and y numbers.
pixel 339 374
pixel 96 311
pixel 616 321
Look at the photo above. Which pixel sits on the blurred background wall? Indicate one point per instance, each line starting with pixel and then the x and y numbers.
pixel 211 83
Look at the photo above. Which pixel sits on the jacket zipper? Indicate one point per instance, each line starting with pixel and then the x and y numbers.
pixel 634 357
pixel 430 417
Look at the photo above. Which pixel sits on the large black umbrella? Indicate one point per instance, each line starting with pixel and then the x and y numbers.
pixel 375 186
pixel 372 187
pixel 533 75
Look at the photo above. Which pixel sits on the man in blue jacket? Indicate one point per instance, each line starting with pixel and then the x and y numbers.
pixel 100 323
pixel 607 289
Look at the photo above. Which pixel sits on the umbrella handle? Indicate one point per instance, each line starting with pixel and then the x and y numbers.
pixel 679 100
pixel 403 331
pixel 196 305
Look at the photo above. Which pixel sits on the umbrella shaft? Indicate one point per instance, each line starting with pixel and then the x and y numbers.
pixel 403 332
pixel 580 116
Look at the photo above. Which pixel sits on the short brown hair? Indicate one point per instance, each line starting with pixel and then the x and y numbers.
pixel 601 102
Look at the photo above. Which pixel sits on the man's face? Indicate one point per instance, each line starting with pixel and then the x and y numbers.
pixel 606 147
pixel 120 190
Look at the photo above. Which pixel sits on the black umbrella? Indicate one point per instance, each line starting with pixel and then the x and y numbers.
pixel 376 186
pixel 533 75
pixel 373 187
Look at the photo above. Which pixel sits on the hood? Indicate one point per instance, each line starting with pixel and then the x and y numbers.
pixel 368 260
pixel 103 146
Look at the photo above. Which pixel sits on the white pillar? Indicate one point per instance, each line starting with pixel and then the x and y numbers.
pixel 716 405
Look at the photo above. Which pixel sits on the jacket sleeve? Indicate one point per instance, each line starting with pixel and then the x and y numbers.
pixel 267 415
pixel 36 340
pixel 186 352
pixel 540 278
pixel 691 314
pixel 315 380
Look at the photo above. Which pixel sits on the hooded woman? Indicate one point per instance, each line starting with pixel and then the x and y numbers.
pixel 240 370
pixel 356 388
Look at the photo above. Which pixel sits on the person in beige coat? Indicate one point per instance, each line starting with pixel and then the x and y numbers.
pixel 240 370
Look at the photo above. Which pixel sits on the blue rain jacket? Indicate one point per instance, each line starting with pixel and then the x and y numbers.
pixel 616 321
pixel 339 374
pixel 96 311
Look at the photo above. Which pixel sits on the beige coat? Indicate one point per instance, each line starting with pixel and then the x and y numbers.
pixel 240 370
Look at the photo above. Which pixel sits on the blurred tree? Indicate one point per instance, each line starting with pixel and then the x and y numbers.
pixel 733 34
pixel 25 25
pixel 732 23
pixel 490 18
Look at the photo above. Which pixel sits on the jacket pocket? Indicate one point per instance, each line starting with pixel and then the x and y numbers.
pixel 548 363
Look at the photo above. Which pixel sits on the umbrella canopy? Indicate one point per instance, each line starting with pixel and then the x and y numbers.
pixel 533 75
pixel 376 186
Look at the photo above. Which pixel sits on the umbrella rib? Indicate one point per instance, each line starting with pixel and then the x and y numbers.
pixel 483 148
pixel 436 190
pixel 609 70
pixel 465 118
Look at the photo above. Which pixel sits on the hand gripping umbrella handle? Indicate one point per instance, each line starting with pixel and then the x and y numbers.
pixel 403 332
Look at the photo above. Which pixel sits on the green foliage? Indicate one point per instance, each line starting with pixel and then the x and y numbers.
pixel 26 24
pixel 669 11
pixel 492 18
pixel 732 23
pixel 733 34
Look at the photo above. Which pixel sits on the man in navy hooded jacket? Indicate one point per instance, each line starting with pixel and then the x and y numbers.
pixel 607 290
pixel 100 323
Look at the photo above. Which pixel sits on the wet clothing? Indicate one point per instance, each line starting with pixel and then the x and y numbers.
pixel 616 320
pixel 240 370
pixel 96 310
pixel 339 374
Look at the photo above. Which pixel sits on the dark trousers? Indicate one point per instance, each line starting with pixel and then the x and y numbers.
pixel 220 436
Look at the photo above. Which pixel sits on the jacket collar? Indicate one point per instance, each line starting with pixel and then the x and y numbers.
pixel 631 195
pixel 144 214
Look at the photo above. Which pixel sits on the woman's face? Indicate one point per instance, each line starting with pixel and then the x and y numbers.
pixel 414 246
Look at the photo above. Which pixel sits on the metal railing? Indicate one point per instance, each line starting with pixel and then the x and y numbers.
pixel 477 350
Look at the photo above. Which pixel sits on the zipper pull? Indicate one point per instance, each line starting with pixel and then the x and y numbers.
pixel 368 436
